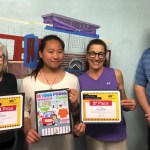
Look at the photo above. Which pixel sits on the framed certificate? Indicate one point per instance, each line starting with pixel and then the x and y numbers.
pixel 53 114
pixel 100 106
pixel 11 111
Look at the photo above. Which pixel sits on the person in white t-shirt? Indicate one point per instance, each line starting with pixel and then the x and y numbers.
pixel 49 75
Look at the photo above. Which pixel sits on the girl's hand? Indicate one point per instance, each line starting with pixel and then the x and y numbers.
pixel 32 136
pixel 73 96
pixel 79 129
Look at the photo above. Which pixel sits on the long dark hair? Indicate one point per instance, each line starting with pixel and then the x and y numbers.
pixel 97 42
pixel 41 48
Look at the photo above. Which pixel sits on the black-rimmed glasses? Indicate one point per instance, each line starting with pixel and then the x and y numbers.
pixel 92 54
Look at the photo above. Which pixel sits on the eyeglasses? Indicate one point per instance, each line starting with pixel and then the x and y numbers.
pixel 92 54
pixel 1 57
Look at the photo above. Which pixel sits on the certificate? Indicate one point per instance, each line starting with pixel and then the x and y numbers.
pixel 11 111
pixel 53 113
pixel 100 106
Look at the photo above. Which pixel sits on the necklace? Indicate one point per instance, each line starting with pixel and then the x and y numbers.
pixel 50 85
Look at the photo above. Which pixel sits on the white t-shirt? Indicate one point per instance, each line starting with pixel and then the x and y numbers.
pixel 29 85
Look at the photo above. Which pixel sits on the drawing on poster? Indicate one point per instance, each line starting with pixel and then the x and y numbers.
pixel 53 114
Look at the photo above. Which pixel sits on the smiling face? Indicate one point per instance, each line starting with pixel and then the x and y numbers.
pixel 96 56
pixel 52 54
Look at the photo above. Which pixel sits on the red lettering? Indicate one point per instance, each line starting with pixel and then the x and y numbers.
pixel 101 103
pixel 8 108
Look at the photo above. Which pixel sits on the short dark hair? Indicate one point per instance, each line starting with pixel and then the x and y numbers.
pixel 97 42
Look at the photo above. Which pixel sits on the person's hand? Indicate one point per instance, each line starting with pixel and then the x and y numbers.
pixel 73 96
pixel 128 104
pixel 79 129
pixel 32 136
pixel 147 116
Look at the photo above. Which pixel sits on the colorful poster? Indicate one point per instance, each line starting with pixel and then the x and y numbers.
pixel 11 111
pixel 53 114
pixel 100 106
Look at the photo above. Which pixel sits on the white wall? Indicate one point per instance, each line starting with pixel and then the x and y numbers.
pixel 125 23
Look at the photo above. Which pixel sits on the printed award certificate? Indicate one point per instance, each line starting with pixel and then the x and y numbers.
pixel 11 111
pixel 100 106
pixel 53 114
